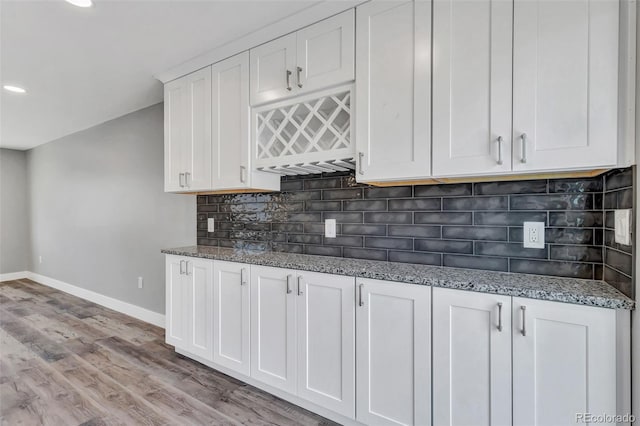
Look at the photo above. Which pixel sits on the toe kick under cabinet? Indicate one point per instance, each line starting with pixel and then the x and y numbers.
pixel 363 351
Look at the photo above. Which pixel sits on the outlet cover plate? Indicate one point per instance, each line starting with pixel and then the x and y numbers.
pixel 210 225
pixel 330 228
pixel 622 219
pixel 533 235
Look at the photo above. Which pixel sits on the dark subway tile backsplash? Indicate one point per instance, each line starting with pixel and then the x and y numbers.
pixel 469 225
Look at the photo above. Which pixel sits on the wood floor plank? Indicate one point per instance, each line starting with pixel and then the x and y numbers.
pixel 67 361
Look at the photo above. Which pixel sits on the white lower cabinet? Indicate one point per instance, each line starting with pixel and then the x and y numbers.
pixel 564 362
pixel 393 353
pixel 310 315
pixel 189 305
pixel 231 316
pixel 471 358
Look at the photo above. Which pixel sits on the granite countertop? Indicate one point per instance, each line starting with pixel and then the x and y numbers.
pixel 568 290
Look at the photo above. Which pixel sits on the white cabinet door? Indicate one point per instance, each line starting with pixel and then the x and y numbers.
pixel 393 353
pixel 564 362
pixel 199 308
pixel 273 327
pixel 231 316
pixel 471 358
pixel 272 69
pixel 198 148
pixel 326 341
pixel 472 60
pixel 565 89
pixel 175 134
pixel 393 97
pixel 178 297
pixel 230 126
pixel 326 53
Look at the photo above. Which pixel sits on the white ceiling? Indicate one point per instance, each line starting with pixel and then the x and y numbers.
pixel 82 67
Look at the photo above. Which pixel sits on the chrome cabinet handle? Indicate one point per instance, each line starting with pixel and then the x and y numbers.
pixel 288 80
pixel 243 278
pixel 523 309
pixel 180 177
pixel 289 277
pixel 360 160
pixel 187 176
pixel 360 300
pixel 186 267
pixel 499 151
pixel 523 157
pixel 298 72
pixel 300 292
pixel 500 316
pixel 242 173
pixel 181 267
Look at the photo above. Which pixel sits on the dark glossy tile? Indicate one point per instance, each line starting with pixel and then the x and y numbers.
pixel 202 217
pixel 344 240
pixel 616 179
pixel 444 246
pixel 415 231
pixel 351 217
pixel 388 192
pixel 508 250
pixel 352 229
pixel 610 200
pixel 552 202
pixel 305 217
pixel 510 187
pixel 371 254
pixel 569 235
pixel 610 219
pixel 578 219
pixel 413 257
pixel 475 233
pixel 207 242
pixel 546 267
pixel 319 206
pixel 287 227
pixel 291 185
pixel 508 218
pixel 610 241
pixel 315 228
pixel 625 198
pixel 206 208
pixel 444 218
pixel 576 185
pixel 415 204
pixel 389 243
pixel 200 233
pixel 576 253
pixel 442 190
pixel 475 262
pixel 401 218
pixel 335 182
pixel 621 282
pixel 365 205
pixel 342 194
pixel 304 195
pixel 476 203
pixel 304 238
pixel 287 248
pixel 201 199
pixel 620 261
pixel 257 226
pixel 323 250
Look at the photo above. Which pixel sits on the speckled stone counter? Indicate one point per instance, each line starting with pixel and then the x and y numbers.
pixel 568 290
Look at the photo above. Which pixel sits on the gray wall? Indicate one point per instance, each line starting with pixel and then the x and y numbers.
pixel 99 216
pixel 14 211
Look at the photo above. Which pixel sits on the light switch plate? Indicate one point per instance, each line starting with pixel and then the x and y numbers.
pixel 210 225
pixel 622 220
pixel 330 228
pixel 533 235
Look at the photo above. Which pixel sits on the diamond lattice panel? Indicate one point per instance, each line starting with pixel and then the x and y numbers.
pixel 314 130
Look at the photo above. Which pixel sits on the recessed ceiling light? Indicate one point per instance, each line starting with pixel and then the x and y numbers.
pixel 81 3
pixel 14 89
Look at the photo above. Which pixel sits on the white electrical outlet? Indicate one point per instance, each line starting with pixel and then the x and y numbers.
pixel 533 235
pixel 210 225
pixel 330 228
pixel 622 220
pixel 140 282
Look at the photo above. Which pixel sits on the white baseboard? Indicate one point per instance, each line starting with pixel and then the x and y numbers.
pixel 106 301
pixel 13 276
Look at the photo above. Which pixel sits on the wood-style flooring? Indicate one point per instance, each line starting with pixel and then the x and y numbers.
pixel 67 361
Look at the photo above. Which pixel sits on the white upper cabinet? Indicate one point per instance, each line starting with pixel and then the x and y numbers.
pixel 472 87
pixel 313 58
pixel 393 90
pixel 187 122
pixel 565 88
pixel 230 129
pixel 393 353
pixel 564 362
pixel 471 358
pixel 231 316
